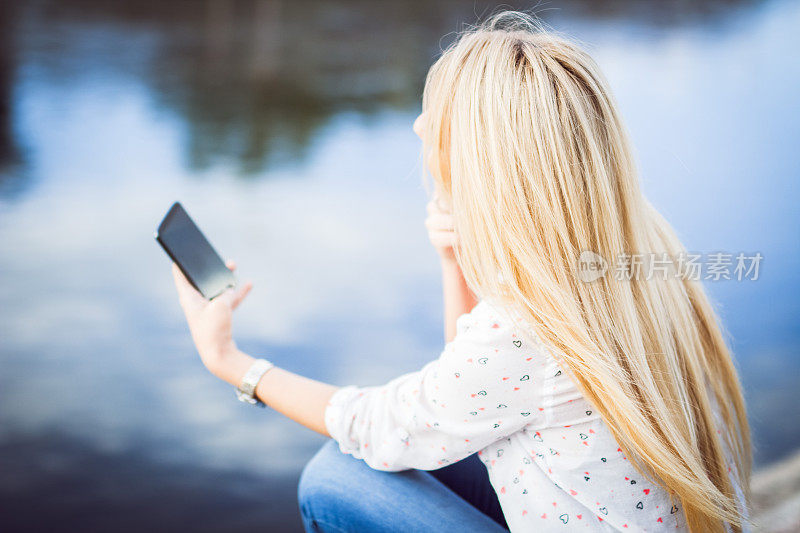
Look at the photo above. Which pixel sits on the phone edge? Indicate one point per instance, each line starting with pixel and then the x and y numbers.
pixel 178 264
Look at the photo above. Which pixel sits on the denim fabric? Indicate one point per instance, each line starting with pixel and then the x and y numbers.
pixel 339 493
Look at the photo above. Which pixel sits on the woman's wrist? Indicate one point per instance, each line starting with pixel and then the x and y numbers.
pixel 231 366
pixel 448 261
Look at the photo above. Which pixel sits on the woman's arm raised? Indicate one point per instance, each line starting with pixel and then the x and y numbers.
pixel 454 406
pixel 302 399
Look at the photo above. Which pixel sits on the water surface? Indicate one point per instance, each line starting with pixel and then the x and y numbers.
pixel 286 132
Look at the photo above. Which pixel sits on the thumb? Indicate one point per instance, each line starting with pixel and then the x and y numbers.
pixel 238 296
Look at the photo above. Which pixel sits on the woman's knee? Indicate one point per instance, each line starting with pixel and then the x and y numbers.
pixel 323 480
pixel 338 492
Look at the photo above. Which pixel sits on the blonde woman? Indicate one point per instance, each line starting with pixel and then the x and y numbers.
pixel 559 402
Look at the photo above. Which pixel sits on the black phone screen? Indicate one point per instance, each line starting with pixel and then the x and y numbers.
pixel 190 250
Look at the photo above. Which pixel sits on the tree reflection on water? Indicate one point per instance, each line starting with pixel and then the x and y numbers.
pixel 254 80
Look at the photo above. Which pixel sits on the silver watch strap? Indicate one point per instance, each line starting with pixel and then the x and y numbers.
pixel 247 388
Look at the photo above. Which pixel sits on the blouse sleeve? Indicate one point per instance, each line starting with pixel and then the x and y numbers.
pixel 479 390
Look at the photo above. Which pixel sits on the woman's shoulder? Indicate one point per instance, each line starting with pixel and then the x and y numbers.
pixel 485 315
pixel 490 344
pixel 496 321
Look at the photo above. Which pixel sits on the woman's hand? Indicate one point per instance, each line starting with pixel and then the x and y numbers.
pixel 210 321
pixel 441 230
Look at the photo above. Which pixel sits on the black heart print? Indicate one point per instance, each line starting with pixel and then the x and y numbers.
pixel 553 452
pixel 482 392
pixel 586 478
pixel 473 413
pixel 526 377
pixel 524 491
pixel 564 518
pixel 640 505
pixel 583 436
pixel 526 460
pixel 674 509
pixel 483 360
pixel 500 452
pixel 603 510
pixel 633 482
pixel 497 426
pixel 526 413
pixel 502 406
pixel 518 344
pixel 588 413
pixel 603 459
pixel 558 373
pixel 458 375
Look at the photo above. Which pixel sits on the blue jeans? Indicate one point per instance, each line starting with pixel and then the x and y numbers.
pixel 339 493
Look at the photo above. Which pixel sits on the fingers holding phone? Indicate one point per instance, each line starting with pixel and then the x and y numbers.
pixel 441 228
pixel 191 251
pixel 210 321
pixel 206 286
pixel 236 296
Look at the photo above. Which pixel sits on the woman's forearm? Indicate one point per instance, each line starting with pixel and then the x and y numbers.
pixel 458 298
pixel 302 399
pixel 305 400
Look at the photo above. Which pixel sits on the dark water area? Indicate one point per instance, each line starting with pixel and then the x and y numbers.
pixel 285 129
pixel 103 491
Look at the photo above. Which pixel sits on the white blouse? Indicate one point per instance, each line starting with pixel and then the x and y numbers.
pixel 551 459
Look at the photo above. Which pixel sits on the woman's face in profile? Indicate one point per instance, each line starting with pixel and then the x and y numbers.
pixel 419 129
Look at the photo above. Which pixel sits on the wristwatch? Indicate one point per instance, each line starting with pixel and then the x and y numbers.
pixel 247 388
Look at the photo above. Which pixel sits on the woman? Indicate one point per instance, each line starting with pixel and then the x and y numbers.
pixel 606 402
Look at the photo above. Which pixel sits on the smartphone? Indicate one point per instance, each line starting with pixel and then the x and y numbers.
pixel 190 250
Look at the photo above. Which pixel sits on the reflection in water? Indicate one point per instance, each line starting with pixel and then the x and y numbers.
pixel 136 492
pixel 9 151
pixel 109 111
pixel 254 80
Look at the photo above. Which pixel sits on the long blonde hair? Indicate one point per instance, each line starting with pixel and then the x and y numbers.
pixel 523 137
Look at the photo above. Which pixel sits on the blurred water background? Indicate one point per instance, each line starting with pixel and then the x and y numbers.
pixel 285 129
